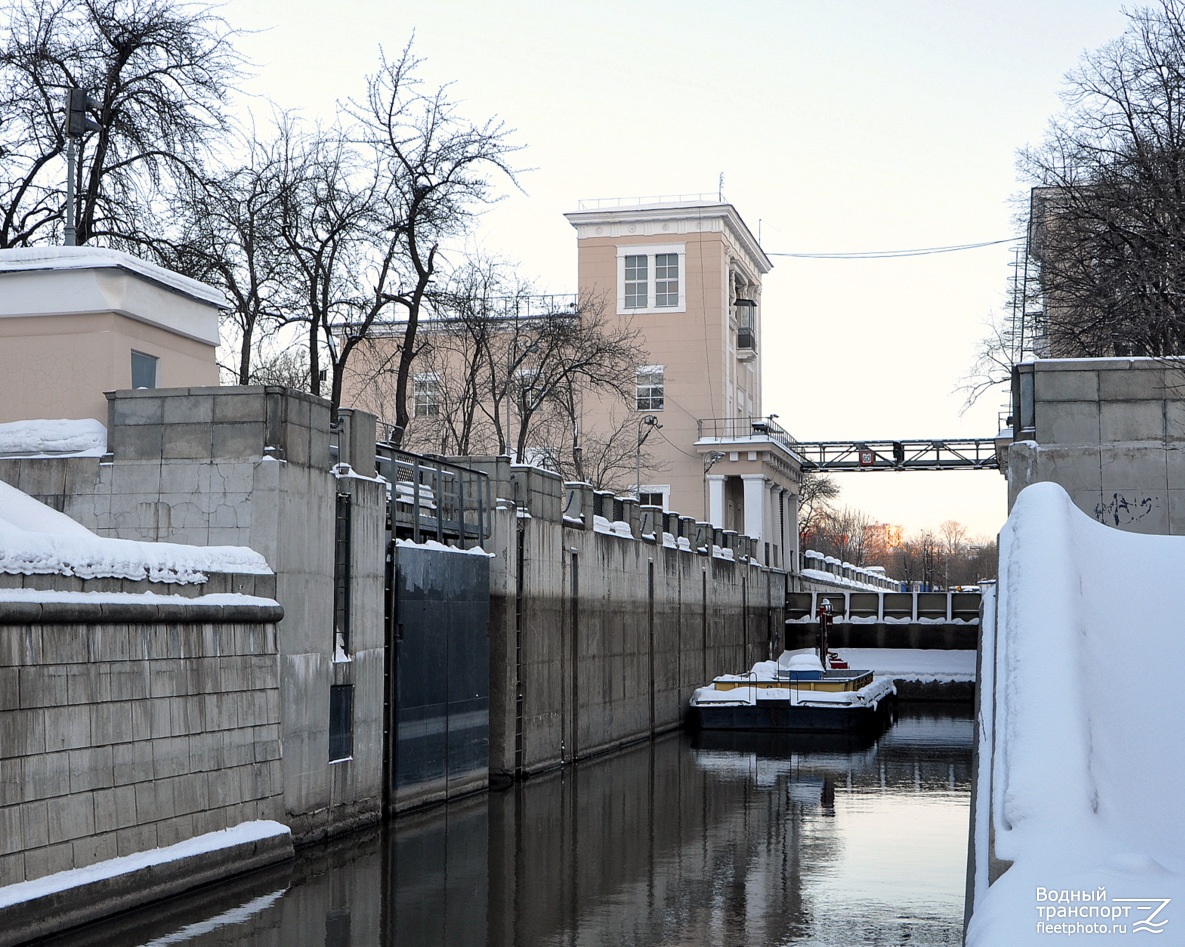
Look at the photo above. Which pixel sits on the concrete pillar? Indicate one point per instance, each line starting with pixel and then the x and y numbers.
pixel 755 506
pixel 716 499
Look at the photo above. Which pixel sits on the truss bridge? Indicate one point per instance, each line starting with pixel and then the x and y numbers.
pixel 952 453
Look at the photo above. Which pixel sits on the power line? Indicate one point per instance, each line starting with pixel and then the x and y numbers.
pixel 894 254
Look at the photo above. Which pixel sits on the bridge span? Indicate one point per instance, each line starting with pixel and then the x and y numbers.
pixel 946 453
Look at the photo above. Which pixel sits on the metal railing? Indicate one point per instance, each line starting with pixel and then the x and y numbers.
pixel 731 430
pixel 433 499
pixel 602 203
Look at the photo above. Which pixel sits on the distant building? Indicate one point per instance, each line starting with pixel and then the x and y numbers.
pixel 77 321
pixel 692 435
pixel 688 274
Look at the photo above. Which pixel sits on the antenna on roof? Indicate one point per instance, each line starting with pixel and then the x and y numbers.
pixel 720 189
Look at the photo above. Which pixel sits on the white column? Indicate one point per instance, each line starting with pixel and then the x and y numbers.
pixel 789 504
pixel 755 504
pixel 716 499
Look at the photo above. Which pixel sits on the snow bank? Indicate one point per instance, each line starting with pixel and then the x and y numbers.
pixel 1089 762
pixel 38 540
pixel 441 547
pixel 57 438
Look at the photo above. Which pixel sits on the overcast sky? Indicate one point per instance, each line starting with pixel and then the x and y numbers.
pixel 838 125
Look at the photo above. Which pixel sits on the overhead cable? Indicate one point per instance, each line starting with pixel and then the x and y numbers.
pixel 894 254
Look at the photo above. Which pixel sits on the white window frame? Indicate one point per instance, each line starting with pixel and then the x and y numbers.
pixel 650 370
pixel 664 489
pixel 423 406
pixel 651 252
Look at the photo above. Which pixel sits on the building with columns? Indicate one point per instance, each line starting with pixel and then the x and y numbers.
pixel 687 274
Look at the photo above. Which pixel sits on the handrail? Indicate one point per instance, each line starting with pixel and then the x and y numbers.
pixel 430 498
pixel 745 429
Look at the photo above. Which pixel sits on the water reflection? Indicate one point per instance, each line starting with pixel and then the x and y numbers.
pixel 717 839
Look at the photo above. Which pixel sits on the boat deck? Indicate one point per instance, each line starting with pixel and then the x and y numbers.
pixel 835 681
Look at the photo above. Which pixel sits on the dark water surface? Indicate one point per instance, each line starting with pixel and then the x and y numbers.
pixel 717 839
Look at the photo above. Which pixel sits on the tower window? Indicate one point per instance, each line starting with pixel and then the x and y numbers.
pixel 637 292
pixel 637 284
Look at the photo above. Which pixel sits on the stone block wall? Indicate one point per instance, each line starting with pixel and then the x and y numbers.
pixel 598 640
pixel 1110 431
pixel 123 728
pixel 251 466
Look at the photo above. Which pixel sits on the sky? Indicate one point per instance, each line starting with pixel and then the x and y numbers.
pixel 835 126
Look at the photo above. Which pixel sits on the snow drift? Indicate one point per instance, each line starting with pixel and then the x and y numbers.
pixel 35 539
pixel 1089 744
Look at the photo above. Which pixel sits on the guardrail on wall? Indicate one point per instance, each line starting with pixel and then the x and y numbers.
pixel 433 499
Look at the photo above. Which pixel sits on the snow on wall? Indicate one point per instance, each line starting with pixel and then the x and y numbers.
pixel 59 437
pixel 36 539
pixel 1089 735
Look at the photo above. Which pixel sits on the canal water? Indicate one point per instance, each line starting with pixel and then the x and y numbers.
pixel 711 839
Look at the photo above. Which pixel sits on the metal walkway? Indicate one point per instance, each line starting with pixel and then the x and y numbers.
pixel 955 453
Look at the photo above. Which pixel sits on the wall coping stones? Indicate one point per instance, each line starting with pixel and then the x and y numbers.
pixel 133 611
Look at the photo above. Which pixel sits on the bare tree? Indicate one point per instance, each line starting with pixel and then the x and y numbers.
pixel 438 168
pixel 338 221
pixel 227 231
pixel 1107 225
pixel 843 534
pixel 816 491
pixel 501 369
pixel 160 73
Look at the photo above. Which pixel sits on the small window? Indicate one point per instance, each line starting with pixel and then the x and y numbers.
pixel 143 370
pixel 341 722
pixel 666 279
pixel 650 499
pixel 651 388
pixel 637 283
pixel 426 395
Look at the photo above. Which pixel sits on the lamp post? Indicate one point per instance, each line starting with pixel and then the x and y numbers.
pixel 514 360
pixel 651 423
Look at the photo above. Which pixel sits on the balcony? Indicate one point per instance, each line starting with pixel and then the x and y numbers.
pixel 746 431
pixel 744 312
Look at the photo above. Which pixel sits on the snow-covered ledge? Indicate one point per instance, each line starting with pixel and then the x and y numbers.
pixel 34 909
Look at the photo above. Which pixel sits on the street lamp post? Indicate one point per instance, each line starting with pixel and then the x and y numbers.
pixel 651 423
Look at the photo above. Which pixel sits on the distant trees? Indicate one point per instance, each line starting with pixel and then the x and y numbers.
pixel 841 533
pixel 943 558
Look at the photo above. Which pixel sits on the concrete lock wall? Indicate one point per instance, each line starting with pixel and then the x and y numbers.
pixel 251 466
pixel 1110 431
pixel 597 640
pixel 132 726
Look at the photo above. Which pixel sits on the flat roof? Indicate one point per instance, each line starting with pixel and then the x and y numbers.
pixel 30 259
